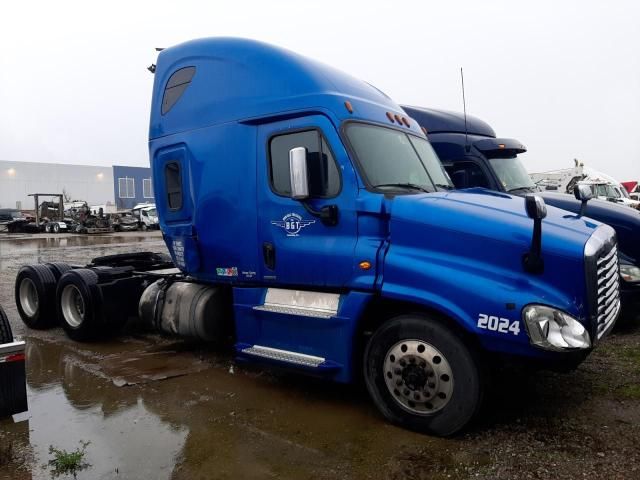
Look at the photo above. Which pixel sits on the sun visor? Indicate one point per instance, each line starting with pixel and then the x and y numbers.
pixel 500 147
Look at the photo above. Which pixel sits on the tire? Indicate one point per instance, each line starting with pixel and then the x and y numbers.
pixel 58 269
pixel 422 376
pixel 35 290
pixel 56 228
pixel 144 227
pixel 5 328
pixel 79 305
pixel 47 228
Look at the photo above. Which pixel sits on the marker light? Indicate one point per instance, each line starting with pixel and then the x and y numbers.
pixel 365 265
pixel 424 130
pixel 390 116
pixel 501 145
pixel 405 121
pixel 348 106
pixel 398 119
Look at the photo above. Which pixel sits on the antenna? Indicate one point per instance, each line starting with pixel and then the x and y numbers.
pixel 464 106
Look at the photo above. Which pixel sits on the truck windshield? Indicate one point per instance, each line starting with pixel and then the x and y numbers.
pixel 393 159
pixel 512 174
pixel 609 191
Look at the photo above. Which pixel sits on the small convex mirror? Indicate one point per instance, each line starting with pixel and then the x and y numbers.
pixel 298 173
pixel 583 192
pixel 535 206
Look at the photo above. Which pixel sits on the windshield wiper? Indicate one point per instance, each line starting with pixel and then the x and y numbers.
pixel 412 186
pixel 526 189
pixel 444 185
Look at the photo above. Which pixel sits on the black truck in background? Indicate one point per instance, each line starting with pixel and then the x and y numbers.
pixel 474 157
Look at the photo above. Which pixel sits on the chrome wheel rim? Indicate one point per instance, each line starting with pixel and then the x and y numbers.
pixel 29 297
pixel 418 376
pixel 72 306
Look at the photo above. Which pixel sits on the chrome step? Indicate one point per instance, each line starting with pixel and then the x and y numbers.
pixel 303 312
pixel 300 302
pixel 284 356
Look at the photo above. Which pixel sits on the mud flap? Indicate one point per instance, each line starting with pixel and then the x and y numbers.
pixel 13 387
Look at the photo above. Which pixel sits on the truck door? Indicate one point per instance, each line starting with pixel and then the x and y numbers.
pixel 297 248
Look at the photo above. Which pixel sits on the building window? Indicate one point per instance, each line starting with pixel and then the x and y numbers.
pixel 173 182
pixel 324 178
pixel 126 187
pixel 147 188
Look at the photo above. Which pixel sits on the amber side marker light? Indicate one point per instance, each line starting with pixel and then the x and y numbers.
pixel 501 145
pixel 405 121
pixel 365 265
pixel 390 116
pixel 398 119
pixel 348 106
pixel 424 130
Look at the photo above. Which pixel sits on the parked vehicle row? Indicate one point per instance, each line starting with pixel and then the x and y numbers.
pixel 78 217
pixel 317 230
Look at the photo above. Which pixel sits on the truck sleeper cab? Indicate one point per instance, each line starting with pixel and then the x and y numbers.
pixel 305 210
pixel 480 159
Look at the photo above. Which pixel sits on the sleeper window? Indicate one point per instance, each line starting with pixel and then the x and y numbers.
pixel 173 179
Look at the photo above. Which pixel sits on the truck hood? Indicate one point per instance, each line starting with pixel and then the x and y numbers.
pixel 472 242
pixel 482 213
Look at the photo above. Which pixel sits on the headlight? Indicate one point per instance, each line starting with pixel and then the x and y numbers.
pixel 552 329
pixel 629 273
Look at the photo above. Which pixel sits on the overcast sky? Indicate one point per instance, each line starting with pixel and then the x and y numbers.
pixel 563 77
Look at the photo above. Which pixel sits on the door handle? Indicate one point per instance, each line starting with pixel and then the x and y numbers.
pixel 269 254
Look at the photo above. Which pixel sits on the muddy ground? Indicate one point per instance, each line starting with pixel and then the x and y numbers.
pixel 158 408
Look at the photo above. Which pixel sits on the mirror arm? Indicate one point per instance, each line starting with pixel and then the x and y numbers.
pixel 532 261
pixel 327 214
pixel 583 207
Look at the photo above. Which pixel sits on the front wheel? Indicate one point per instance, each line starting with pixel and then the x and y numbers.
pixel 422 376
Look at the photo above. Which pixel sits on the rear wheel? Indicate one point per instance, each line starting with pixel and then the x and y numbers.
pixel 56 228
pixel 35 296
pixel 58 269
pixel 422 376
pixel 78 299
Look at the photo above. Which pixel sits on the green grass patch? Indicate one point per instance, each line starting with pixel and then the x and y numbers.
pixel 68 463
pixel 631 391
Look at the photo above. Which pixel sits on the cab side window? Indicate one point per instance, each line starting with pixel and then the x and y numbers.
pixel 324 177
pixel 467 175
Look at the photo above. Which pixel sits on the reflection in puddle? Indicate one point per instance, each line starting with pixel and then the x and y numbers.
pixel 67 404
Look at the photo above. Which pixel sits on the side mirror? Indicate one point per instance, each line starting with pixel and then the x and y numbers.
pixel 583 192
pixel 298 173
pixel 535 206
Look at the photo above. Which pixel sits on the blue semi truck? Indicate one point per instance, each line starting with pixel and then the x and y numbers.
pixel 312 224
pixel 474 156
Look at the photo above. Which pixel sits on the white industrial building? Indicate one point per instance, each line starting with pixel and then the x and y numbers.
pixel 95 185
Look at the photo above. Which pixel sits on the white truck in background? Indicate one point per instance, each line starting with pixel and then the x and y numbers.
pixel 147 216
pixel 603 186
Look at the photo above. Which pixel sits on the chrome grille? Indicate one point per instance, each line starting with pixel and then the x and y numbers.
pixel 608 289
